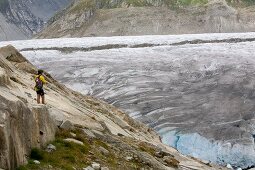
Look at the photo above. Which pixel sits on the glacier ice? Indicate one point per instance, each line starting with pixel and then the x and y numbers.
pixel 220 152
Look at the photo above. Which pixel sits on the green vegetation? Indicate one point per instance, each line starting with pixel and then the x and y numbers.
pixel 84 5
pixel 69 155
pixel 3 5
pixel 176 4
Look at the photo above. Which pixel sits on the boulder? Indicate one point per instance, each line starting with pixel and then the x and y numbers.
pixel 74 141
pixel 22 128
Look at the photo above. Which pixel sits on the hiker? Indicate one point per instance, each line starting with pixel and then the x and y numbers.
pixel 39 81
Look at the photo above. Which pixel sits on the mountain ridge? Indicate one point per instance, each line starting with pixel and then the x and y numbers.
pixel 119 18
pixel 22 19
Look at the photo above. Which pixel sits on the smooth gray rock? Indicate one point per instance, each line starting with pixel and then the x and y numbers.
pixel 67 125
pixel 98 133
pixel 89 133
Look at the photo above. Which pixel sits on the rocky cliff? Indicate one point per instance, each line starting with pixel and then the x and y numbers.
pixel 20 19
pixel 117 18
pixel 25 125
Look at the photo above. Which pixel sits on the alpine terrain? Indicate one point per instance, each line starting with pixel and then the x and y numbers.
pixel 20 19
pixel 151 17
pixel 196 91
pixel 72 131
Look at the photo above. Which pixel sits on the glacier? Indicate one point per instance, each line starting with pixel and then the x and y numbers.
pixel 196 90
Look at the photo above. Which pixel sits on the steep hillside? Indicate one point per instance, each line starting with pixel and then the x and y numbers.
pixel 25 125
pixel 196 90
pixel 20 19
pixel 126 17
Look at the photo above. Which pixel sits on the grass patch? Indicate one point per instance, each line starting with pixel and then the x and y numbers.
pixel 67 155
pixel 146 148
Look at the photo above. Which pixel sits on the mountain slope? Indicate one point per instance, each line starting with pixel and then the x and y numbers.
pixel 25 124
pixel 116 18
pixel 20 19
pixel 195 90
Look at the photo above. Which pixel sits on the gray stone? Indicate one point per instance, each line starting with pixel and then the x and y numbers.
pixel 103 150
pixel 72 134
pixel 89 133
pixel 51 148
pixel 129 158
pixel 96 166
pixel 88 168
pixel 73 140
pixel 36 162
pixel 98 133
pixel 67 125
pixel 105 168
pixel 229 166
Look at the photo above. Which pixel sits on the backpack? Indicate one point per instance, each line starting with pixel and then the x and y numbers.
pixel 38 83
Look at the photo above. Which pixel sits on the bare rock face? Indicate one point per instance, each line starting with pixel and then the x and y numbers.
pixel 22 129
pixel 118 18
pixel 20 19
pixel 22 126
pixel 220 17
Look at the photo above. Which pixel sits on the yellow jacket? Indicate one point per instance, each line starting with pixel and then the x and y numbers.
pixel 42 79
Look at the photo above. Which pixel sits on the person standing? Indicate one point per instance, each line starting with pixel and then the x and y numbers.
pixel 39 82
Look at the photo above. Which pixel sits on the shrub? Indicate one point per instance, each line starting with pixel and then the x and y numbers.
pixel 36 154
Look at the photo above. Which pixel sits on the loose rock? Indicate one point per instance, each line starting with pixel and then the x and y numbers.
pixel 72 134
pixel 129 158
pixel 229 166
pixel 36 162
pixel 88 168
pixel 96 166
pixel 73 140
pixel 105 168
pixel 51 148
pixel 103 150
